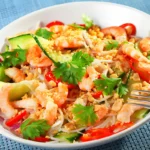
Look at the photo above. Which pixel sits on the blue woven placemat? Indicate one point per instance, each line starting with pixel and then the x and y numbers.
pixel 13 9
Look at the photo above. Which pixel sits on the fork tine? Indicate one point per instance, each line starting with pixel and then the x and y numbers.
pixel 144 105
pixel 142 96
pixel 141 91
pixel 143 100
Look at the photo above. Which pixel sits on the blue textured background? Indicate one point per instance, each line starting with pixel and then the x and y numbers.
pixel 12 9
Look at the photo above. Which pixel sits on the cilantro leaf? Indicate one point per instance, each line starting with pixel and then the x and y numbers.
pixel 13 58
pixel 111 44
pixel 122 89
pixel 73 71
pixel 32 129
pixel 81 59
pixel 77 26
pixel 84 115
pixel 44 33
pixel 88 22
pixel 106 84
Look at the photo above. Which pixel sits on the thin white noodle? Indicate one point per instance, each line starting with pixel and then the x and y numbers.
pixel 109 121
pixel 102 99
pixel 70 131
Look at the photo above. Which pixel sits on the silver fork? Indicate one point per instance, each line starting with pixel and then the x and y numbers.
pixel 140 97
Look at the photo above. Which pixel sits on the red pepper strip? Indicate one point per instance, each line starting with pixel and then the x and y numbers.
pixel 54 23
pixel 130 28
pixel 120 127
pixel 71 86
pixel 17 118
pixel 41 139
pixel 93 134
pixel 97 94
pixel 83 25
pixel 143 73
pixel 50 77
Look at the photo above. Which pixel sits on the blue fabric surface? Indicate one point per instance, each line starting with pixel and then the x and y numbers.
pixel 13 9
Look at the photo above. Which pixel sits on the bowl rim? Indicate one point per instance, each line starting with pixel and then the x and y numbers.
pixel 84 144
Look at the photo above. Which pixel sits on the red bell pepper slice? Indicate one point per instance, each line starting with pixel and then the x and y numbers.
pixel 143 72
pixel 50 77
pixel 54 23
pixel 17 118
pixel 97 94
pixel 93 134
pixel 71 86
pixel 120 127
pixel 130 28
pixel 41 139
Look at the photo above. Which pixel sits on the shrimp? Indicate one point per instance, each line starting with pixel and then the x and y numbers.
pixel 36 58
pixel 126 111
pixel 29 103
pixel 117 104
pixel 69 42
pixel 117 32
pixel 96 46
pixel 7 109
pixel 101 111
pixel 58 28
pixel 86 83
pixel 128 49
pixel 50 113
pixel 16 74
pixel 60 96
pixel 70 39
pixel 144 44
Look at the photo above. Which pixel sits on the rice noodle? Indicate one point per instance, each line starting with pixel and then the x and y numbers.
pixel 107 122
pixel 76 130
pixel 102 99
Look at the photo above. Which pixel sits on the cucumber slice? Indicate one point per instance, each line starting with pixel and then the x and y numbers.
pixel 25 41
pixel 141 113
pixel 55 56
pixel 3 76
pixel 68 137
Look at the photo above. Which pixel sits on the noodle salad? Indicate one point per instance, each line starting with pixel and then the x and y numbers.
pixel 71 82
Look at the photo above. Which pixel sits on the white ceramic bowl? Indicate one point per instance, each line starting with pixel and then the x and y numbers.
pixel 103 14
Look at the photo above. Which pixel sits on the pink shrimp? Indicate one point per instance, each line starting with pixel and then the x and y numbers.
pixel 36 58
pixel 144 44
pixel 126 111
pixel 117 32
pixel 16 74
pixel 50 113
pixel 86 83
pixel 61 95
pixel 58 28
pixel 69 42
pixel 101 111
pixel 128 49
pixel 5 106
pixel 29 103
